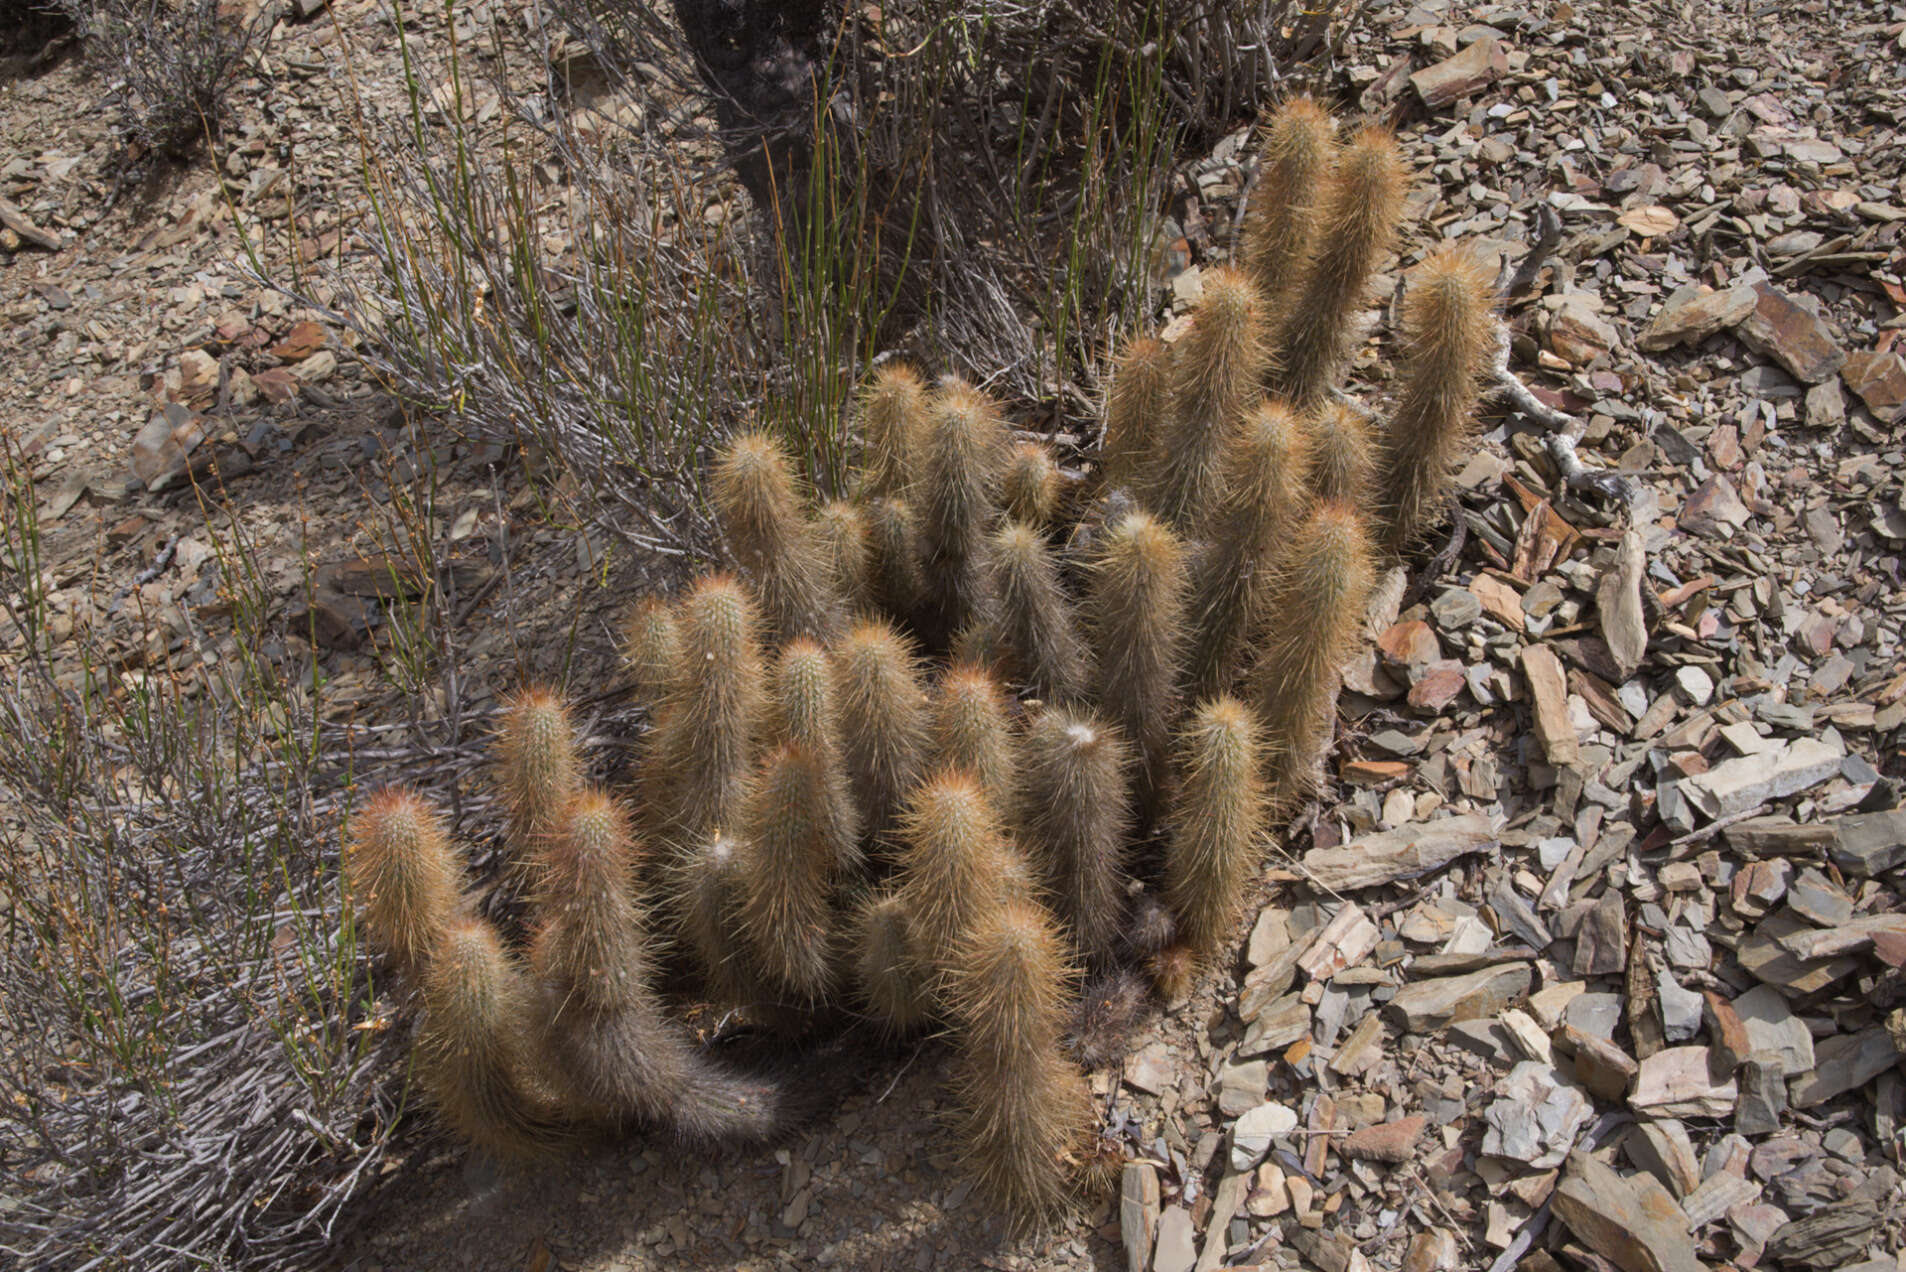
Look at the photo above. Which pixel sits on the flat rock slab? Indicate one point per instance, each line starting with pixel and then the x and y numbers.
pixel 1880 381
pixel 1433 1005
pixel 1691 316
pixel 1677 1082
pixel 1866 844
pixel 1843 1063
pixel 1454 78
pixel 1632 1222
pixel 1548 692
pixel 1138 1213
pixel 1792 335
pixel 1403 853
pixel 1747 781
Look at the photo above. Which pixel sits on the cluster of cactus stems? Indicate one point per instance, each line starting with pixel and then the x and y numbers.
pixel 969 746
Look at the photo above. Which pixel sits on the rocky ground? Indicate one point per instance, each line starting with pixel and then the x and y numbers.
pixel 1592 956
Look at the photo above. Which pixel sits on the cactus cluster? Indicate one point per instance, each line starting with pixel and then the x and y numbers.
pixel 971 745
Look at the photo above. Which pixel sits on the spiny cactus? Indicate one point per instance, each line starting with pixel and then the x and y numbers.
pixel 847 547
pixel 1296 145
pixel 541 772
pixel 1033 626
pixel 1022 1107
pixel 1174 970
pixel 1319 607
pixel 972 729
pixel 1138 615
pixel 477 1061
pixel 882 711
pixel 1031 486
pixel 794 851
pixel 889 966
pixel 1361 205
pixel 1343 454
pixel 802 710
pixel 1447 331
pixel 620 1056
pixel 1135 406
pixel 956 501
pixel 705 895
pixel 1073 809
pixel 892 416
pixel 1216 821
pixel 702 746
pixel 1228 521
pixel 893 539
pixel 1214 380
pixel 955 863
pixel 1267 470
pixel 651 651
pixel 762 520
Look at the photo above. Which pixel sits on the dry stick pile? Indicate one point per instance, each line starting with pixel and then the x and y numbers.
pixel 942 750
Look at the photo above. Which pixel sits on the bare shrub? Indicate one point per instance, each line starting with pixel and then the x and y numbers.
pixel 174 60
pixel 1008 159
pixel 188 1077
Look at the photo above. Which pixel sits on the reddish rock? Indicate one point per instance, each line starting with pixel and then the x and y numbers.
pixel 1578 335
pixel 1792 335
pixel 1438 686
pixel 1714 504
pixel 1385 1141
pixel 1880 381
pixel 1452 79
pixel 1692 317
pixel 1411 644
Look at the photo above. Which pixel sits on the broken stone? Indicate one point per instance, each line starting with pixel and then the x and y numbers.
pixel 1429 1006
pixel 1742 783
pixel 1844 1062
pixel 1816 899
pixel 1403 853
pixel 1879 379
pixel 1676 1082
pixel 1601 943
pixel 1680 1009
pixel 1618 603
pixel 1718 1194
pixel 1345 941
pixel 1138 1213
pixel 1241 1087
pixel 1384 1141
pixel 1712 505
pixel 1852 937
pixel 1603 1068
pixel 1662 1148
pixel 1537 1116
pixel 1792 335
pixel 1763 1097
pixel 1251 1135
pixel 1177 1248
pixel 1726 1033
pixel 161 451
pixel 1455 78
pixel 1690 316
pixel 1761 953
pixel 1595 1014
pixel 1224 1206
pixel 1828 1239
pixel 1867 844
pixel 1548 692
pixel 1362 1049
pixel 1634 1222
pixel 1578 334
pixel 1278 1026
